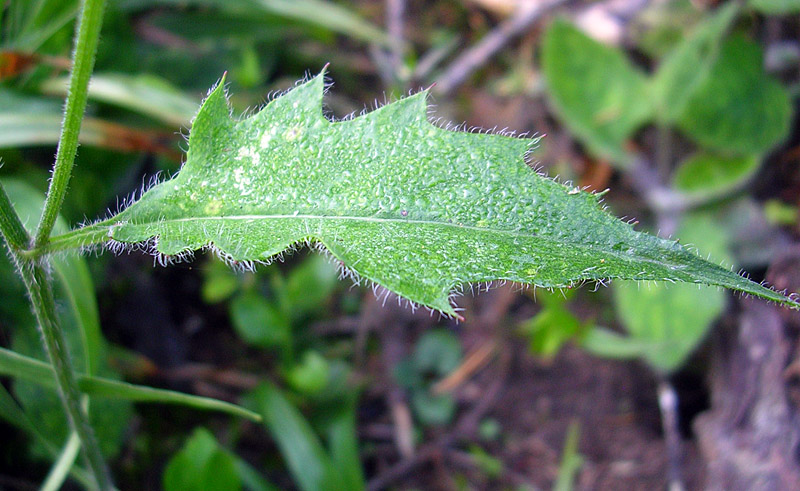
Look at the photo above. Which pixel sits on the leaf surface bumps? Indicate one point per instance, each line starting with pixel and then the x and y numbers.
pixel 415 208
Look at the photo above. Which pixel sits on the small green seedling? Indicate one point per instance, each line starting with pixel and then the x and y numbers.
pixel 435 356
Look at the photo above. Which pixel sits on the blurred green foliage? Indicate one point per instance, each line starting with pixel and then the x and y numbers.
pixel 598 93
pixel 436 354
pixel 554 325
pixel 706 175
pixel 711 85
pixel 201 464
pixel 81 324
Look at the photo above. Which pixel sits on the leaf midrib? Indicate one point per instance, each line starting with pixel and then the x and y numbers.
pixel 404 221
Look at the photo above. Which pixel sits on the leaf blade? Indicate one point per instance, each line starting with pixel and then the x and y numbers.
pixel 407 205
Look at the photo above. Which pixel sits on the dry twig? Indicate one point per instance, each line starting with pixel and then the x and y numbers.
pixel 476 56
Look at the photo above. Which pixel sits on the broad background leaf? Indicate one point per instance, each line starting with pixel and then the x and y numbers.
pixel 738 109
pixel 707 176
pixel 202 464
pixel 684 69
pixel 595 90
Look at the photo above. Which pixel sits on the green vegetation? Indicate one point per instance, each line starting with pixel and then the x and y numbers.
pixel 688 117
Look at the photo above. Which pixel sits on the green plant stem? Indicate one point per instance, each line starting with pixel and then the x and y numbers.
pixel 41 296
pixel 74 239
pixel 86 39
pixel 66 459
pixel 33 272
pixel 10 224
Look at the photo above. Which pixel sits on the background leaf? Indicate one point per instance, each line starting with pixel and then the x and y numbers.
pixel 320 13
pixel 259 322
pixel 308 461
pixel 40 373
pixel 81 324
pixel 146 94
pixel 684 69
pixel 599 95
pixel 200 465
pixel 738 109
pixel 776 7
pixel 709 176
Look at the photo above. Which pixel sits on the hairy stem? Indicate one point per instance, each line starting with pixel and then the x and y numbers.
pixel 10 224
pixel 74 239
pixel 86 38
pixel 33 271
pixel 41 296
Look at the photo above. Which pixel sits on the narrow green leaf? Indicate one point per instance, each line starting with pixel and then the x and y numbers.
pixel 571 460
pixel 343 442
pixel 738 109
pixel 115 389
pixel 685 68
pixel 61 467
pixel 23 130
pixel 36 22
pixel 595 90
pixel 145 94
pixel 310 465
pixel 417 209
pixel 776 7
pixel 39 372
pixel 319 13
pixel 327 15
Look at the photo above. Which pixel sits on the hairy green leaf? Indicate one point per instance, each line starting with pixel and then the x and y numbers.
pixel 414 208
pixel 665 323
